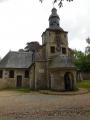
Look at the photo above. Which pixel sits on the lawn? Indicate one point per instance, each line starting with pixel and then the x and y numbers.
pixel 23 90
pixel 84 84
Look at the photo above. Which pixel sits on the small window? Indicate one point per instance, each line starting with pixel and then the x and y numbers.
pixel 63 50
pixel 1 73
pixel 26 74
pixel 11 74
pixel 52 49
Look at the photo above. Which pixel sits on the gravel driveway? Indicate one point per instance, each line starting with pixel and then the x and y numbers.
pixel 36 106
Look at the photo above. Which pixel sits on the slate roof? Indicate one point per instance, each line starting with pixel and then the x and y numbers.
pixel 59 29
pixel 61 61
pixel 16 60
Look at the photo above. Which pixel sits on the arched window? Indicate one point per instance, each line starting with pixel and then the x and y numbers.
pixel 26 74
pixel 11 74
pixel 63 50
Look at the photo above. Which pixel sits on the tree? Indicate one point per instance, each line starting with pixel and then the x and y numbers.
pixel 78 54
pixel 87 49
pixel 82 61
pixel 32 46
pixel 79 58
pixel 59 2
pixel 21 50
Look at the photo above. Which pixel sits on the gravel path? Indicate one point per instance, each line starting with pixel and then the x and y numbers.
pixel 35 106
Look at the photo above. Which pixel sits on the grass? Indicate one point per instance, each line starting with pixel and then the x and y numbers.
pixel 23 90
pixel 84 84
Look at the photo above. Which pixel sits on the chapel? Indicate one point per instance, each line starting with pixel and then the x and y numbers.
pixel 50 67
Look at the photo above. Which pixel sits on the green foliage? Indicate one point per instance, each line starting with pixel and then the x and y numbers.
pixel 23 90
pixel 82 61
pixel 32 46
pixel 78 56
pixel 87 49
pixel 84 84
pixel 59 2
pixel 88 40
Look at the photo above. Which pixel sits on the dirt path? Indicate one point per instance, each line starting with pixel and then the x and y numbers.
pixel 35 106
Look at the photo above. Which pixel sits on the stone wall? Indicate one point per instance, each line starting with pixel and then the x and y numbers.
pixel 57 79
pixel 85 76
pixel 3 83
pixel 6 82
pixel 49 38
pixel 32 77
pixel 40 75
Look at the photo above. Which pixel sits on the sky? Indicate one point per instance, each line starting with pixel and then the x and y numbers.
pixel 23 21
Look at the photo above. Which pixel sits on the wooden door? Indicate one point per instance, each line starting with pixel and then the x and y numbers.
pixel 19 81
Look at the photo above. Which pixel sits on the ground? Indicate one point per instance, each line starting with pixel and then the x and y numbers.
pixel 35 106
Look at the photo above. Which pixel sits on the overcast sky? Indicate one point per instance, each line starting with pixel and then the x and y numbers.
pixel 22 21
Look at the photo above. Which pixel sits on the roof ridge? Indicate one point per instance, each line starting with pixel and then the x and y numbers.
pixel 4 58
pixel 20 52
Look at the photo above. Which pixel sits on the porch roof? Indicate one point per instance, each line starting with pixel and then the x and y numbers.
pixel 61 61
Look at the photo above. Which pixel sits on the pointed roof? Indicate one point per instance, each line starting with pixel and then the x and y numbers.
pixel 16 60
pixel 62 61
pixel 54 14
pixel 54 20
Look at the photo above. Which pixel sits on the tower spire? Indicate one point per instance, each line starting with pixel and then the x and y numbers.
pixel 54 19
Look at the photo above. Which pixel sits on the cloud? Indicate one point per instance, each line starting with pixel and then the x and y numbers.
pixel 76 20
pixel 3 1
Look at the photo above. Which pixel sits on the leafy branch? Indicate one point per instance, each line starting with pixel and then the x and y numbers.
pixel 59 2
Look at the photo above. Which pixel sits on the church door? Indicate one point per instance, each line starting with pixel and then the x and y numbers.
pixel 68 81
pixel 19 81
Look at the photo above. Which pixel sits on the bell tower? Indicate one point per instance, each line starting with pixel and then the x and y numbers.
pixel 55 38
pixel 59 66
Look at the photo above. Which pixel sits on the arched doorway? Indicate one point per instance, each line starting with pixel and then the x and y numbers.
pixel 69 81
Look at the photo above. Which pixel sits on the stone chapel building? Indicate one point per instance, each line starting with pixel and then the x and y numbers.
pixel 51 67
